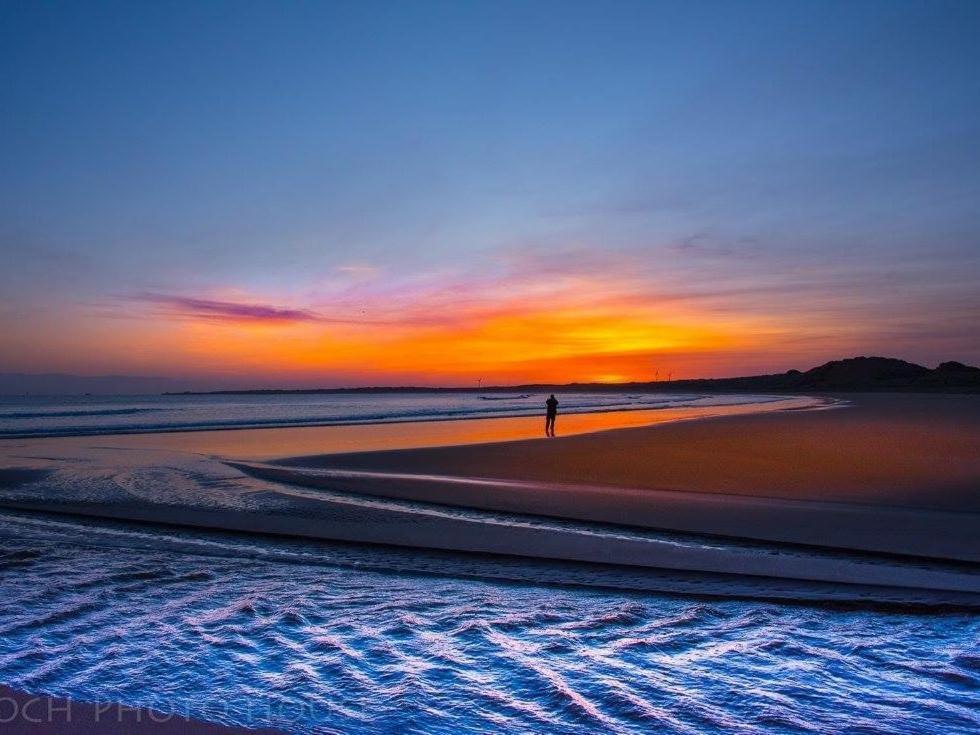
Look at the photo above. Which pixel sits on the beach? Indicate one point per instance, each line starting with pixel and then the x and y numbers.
pixel 818 476
pixel 322 582
pixel 898 474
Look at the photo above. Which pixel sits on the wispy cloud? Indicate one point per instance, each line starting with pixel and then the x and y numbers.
pixel 176 306
pixel 186 306
pixel 704 244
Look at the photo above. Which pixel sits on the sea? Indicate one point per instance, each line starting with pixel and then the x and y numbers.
pixel 25 416
pixel 318 637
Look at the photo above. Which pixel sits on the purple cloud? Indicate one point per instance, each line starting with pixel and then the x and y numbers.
pixel 225 310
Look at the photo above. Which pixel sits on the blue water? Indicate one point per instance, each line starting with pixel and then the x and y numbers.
pixel 324 648
pixel 79 415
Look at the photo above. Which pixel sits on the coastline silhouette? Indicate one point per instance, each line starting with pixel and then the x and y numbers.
pixel 552 412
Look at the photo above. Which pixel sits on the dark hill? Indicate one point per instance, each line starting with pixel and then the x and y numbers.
pixel 854 374
pixel 860 372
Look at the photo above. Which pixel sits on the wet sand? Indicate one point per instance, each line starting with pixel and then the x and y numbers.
pixel 888 473
pixel 293 441
pixel 897 474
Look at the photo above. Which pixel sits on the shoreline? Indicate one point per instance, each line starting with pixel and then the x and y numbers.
pixel 724 517
pixel 190 429
pixel 828 478
pixel 659 565
pixel 862 478
pixel 913 429
pixel 268 443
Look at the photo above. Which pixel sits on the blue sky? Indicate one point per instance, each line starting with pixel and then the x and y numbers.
pixel 817 161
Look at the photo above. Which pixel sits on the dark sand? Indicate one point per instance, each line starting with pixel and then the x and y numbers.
pixel 892 473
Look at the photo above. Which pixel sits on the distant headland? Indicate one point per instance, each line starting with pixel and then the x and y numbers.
pixel 849 375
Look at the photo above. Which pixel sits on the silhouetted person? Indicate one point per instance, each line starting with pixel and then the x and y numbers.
pixel 549 420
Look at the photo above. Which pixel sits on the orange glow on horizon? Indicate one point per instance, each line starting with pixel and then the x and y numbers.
pixel 580 329
pixel 562 345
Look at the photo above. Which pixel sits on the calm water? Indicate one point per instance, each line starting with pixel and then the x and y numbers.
pixel 240 637
pixel 45 416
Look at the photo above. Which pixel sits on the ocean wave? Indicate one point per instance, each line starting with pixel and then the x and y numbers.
pixel 76 413
pixel 312 647
pixel 348 417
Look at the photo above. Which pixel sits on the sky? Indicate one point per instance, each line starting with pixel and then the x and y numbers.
pixel 441 193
